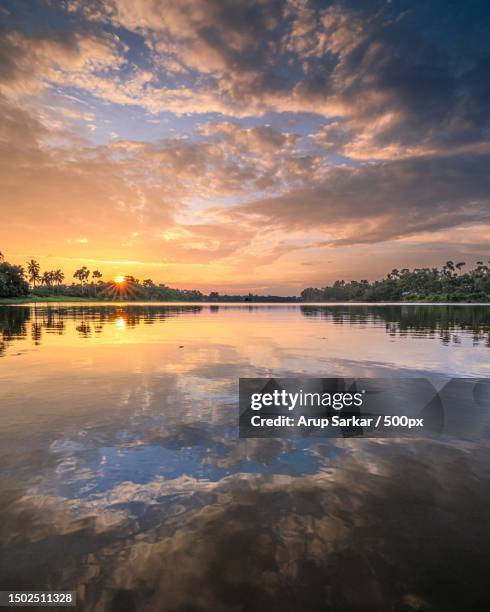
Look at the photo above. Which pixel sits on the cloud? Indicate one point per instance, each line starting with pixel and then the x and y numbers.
pixel 391 78
pixel 174 194
pixel 79 192
pixel 378 202
pixel 204 35
pixel 259 139
pixel 389 108
pixel 397 86
pixel 136 189
pixel 28 63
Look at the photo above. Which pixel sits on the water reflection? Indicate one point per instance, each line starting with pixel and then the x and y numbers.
pixel 122 476
pixel 15 321
pixel 445 322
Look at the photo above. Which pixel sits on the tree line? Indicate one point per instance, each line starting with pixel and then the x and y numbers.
pixel 447 284
pixel 17 281
pixel 52 280
pixel 451 283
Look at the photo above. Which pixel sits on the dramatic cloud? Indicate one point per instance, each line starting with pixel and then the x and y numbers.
pixel 29 63
pixel 248 137
pixel 395 84
pixel 384 201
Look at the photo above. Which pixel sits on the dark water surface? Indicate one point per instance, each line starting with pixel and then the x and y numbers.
pixel 122 476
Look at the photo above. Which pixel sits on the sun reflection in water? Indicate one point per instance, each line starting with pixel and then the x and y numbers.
pixel 120 323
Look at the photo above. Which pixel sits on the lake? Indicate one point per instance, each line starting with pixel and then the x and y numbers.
pixel 123 477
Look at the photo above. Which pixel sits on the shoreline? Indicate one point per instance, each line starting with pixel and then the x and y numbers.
pixel 91 300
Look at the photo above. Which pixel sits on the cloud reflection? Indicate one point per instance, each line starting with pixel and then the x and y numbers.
pixel 123 476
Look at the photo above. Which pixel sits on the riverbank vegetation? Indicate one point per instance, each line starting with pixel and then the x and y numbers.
pixel 451 283
pixel 31 284
pixel 447 284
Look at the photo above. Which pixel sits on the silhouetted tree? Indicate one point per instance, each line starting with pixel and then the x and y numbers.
pixel 33 269
pixel 58 277
pixel 12 281
pixel 430 284
pixel 82 274
pixel 47 278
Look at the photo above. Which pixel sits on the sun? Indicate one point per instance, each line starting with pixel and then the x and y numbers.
pixel 122 288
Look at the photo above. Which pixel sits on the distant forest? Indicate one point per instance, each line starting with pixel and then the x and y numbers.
pixel 451 283
pixel 447 284
pixel 31 282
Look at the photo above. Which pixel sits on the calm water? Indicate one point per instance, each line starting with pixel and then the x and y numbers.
pixel 122 476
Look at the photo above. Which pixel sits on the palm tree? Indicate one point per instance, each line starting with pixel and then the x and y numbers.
pixel 33 269
pixel 2 256
pixel 95 275
pixel 47 278
pixel 460 265
pixel 78 274
pixel 82 274
pixel 58 276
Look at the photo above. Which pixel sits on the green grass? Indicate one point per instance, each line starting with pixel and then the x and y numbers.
pixel 29 299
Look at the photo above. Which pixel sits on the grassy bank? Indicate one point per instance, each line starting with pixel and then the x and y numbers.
pixel 29 299
pixel 432 299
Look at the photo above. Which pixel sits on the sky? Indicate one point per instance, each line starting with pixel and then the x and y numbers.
pixel 244 145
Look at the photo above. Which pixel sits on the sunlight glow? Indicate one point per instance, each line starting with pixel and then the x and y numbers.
pixel 119 279
pixel 120 323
